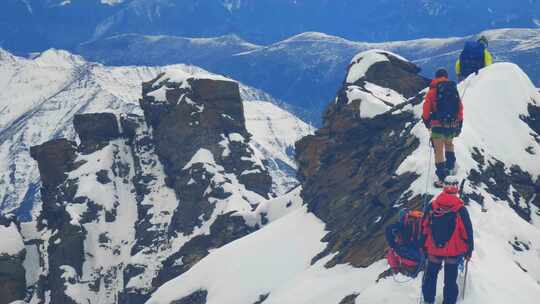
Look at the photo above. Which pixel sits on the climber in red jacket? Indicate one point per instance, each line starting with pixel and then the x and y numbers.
pixel 443 115
pixel 448 236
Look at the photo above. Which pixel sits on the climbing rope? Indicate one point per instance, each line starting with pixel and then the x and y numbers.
pixel 428 176
pixel 411 275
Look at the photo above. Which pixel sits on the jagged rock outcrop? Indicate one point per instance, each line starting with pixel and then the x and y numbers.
pixel 348 166
pixel 142 199
pixel 54 158
pixel 65 210
pixel 201 113
pixel 200 134
pixel 12 254
pixel 95 130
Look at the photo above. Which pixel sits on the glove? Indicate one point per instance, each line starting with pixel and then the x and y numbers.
pixel 427 123
pixel 468 255
pixel 459 128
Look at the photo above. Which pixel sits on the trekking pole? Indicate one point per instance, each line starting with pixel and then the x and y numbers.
pixel 423 281
pixel 465 280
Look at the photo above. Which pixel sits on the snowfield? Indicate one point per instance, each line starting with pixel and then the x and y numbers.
pixel 12 243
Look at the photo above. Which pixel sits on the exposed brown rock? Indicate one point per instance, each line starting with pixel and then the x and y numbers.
pixel 95 130
pixel 198 297
pixel 348 167
pixel 54 159
pixel 200 115
pixel 401 76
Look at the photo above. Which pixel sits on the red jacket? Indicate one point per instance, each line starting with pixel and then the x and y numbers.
pixel 430 103
pixel 461 240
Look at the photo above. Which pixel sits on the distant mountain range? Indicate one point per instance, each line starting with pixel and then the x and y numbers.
pixel 36 25
pixel 307 69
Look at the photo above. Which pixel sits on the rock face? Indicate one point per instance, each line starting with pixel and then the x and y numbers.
pixel 142 199
pixel 348 168
pixel 95 130
pixel 213 107
pixel 12 254
pixel 54 158
pixel 199 134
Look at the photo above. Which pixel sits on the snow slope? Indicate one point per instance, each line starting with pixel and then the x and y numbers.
pixel 12 243
pixel 498 273
pixel 275 131
pixel 41 95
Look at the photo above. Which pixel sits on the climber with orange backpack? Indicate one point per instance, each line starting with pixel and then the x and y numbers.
pixel 443 116
pixel 448 234
pixel 404 238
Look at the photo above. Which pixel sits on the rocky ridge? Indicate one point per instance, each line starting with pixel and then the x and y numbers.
pixel 138 200
pixel 353 167
pixel 348 168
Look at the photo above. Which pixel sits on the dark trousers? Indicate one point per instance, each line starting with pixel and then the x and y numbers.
pixel 429 285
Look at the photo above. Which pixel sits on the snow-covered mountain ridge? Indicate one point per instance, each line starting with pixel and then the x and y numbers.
pixel 354 185
pixel 307 69
pixel 139 199
pixel 40 97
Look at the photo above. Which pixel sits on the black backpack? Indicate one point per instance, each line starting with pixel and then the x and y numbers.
pixel 442 226
pixel 472 58
pixel 447 102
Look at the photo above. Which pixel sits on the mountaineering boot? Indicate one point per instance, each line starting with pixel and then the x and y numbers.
pixel 450 162
pixel 441 172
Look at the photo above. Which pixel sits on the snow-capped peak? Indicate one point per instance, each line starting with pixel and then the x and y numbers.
pixel 315 37
pixel 59 58
pixel 6 56
pixel 179 75
pixel 361 63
